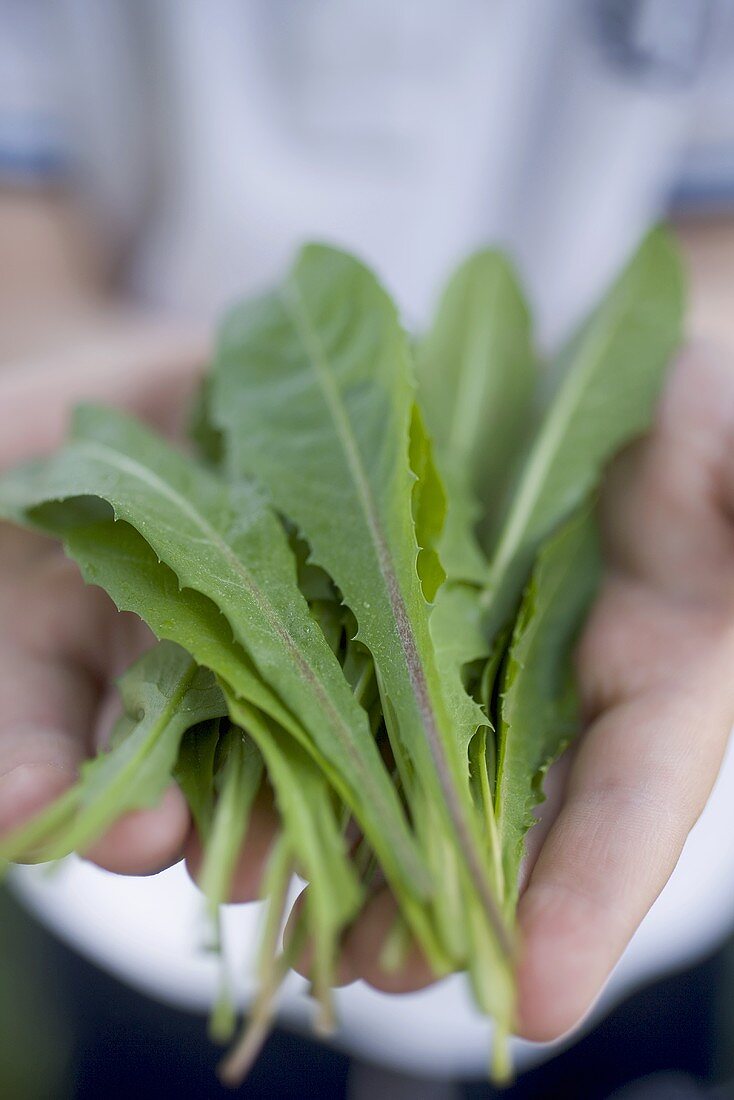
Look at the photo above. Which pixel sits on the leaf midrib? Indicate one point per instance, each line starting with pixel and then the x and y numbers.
pixel 548 444
pixel 295 308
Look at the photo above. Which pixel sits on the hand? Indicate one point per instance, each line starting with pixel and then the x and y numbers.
pixel 62 644
pixel 655 667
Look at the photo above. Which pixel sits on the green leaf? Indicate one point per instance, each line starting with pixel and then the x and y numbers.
pixel 164 694
pixel 117 557
pixel 461 647
pixel 460 549
pixel 539 706
pixel 456 626
pixel 476 379
pixel 314 392
pixel 224 543
pixel 612 373
pixel 429 508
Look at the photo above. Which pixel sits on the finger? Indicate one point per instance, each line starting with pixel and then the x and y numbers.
pixel 363 946
pixel 144 842
pixel 303 962
pixel 49 687
pixel 262 829
pixel 641 778
pixel 665 500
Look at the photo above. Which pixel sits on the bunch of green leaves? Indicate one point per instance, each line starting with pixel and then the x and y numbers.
pixel 366 591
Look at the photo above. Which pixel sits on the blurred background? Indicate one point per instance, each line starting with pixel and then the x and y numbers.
pixel 160 157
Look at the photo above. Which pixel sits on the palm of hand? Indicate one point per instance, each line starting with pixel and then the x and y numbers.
pixel 654 666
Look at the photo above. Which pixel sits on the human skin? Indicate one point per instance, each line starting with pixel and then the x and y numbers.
pixel 654 662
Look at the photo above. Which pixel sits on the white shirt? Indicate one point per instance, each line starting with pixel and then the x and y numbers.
pixel 211 139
